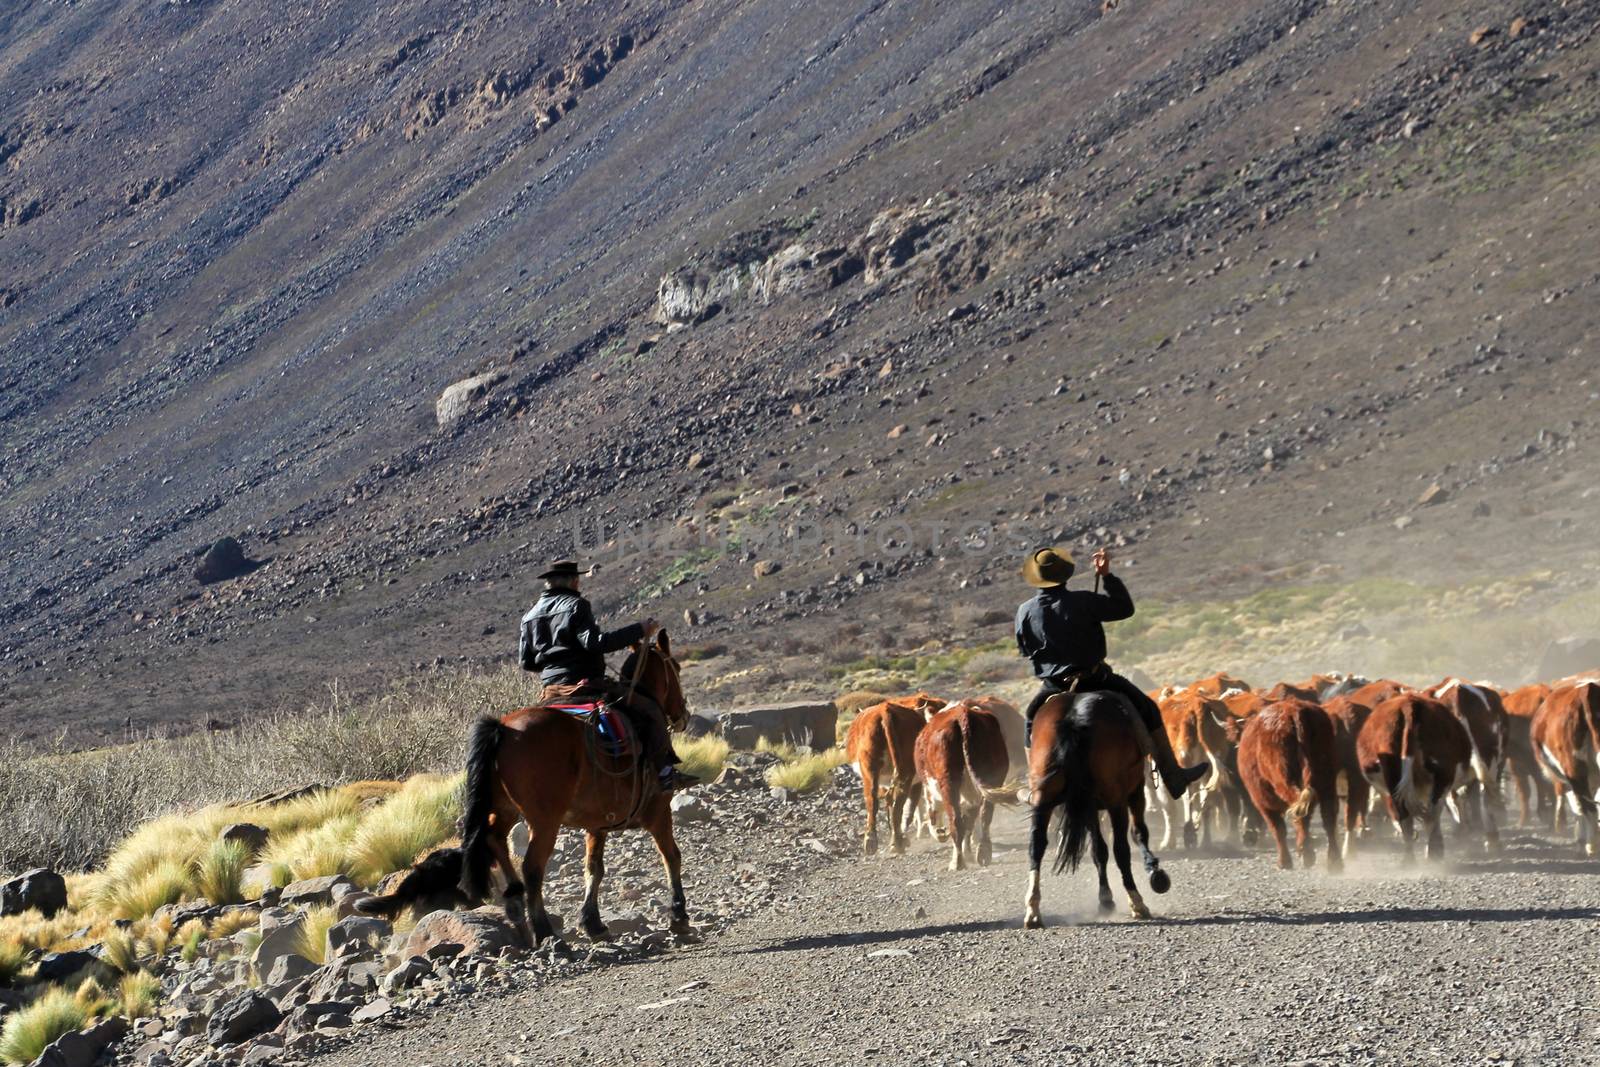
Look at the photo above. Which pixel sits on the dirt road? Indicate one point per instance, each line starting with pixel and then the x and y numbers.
pixel 895 960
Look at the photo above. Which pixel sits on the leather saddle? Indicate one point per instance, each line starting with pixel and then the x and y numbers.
pixel 615 732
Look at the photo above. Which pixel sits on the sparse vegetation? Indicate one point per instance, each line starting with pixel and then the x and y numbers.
pixel 28 1032
pixel 802 769
pixel 312 942
pixel 703 757
pixel 138 994
pixel 219 874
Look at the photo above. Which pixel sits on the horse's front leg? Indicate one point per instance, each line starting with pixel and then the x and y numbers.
pixel 660 827
pixel 594 871
pixel 1107 904
pixel 1038 842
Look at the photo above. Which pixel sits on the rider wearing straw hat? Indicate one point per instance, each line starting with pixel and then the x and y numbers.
pixel 1060 632
pixel 561 640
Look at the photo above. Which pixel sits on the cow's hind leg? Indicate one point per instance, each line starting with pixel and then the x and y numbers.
pixel 1119 847
pixel 1328 804
pixel 1275 824
pixel 1159 881
pixel 594 870
pixel 1098 841
pixel 985 842
pixel 897 810
pixel 869 794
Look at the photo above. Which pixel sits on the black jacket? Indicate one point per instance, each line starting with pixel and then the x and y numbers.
pixel 561 640
pixel 1059 629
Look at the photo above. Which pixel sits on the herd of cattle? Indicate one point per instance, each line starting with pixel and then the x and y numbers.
pixel 1277 755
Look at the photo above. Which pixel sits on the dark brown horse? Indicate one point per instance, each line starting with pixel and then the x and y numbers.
pixel 1085 759
pixel 548 768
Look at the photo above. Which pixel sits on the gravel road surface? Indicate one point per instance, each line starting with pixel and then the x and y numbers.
pixel 896 959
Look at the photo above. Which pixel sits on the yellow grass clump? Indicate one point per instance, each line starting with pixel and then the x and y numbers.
pixel 166 882
pixel 29 1032
pixel 414 819
pixel 138 994
pixel 312 942
pixel 12 960
pixel 704 756
pixel 219 872
pixel 120 951
pixel 315 852
pixel 229 923
pixel 803 772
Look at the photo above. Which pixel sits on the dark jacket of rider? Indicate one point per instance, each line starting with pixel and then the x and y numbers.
pixel 1059 629
pixel 561 640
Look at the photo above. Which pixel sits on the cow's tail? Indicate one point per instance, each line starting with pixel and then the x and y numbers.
pixel 1308 793
pixel 1077 798
pixel 1412 791
pixel 991 792
pixel 483 751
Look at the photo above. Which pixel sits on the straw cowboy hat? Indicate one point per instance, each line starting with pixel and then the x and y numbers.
pixel 1047 567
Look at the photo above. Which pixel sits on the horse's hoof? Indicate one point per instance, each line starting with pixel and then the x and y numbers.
pixel 1160 881
pixel 595 929
pixel 870 848
pixel 682 930
pixel 1137 909
pixel 1107 906
pixel 1033 922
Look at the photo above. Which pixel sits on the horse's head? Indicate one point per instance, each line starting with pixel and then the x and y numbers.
pixel 657 674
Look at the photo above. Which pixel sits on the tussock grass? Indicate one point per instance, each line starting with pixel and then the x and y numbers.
pixel 164 883
pixel 155 937
pixel 414 819
pixel 317 851
pixel 312 942
pixel 28 1032
pixel 120 951
pixel 230 923
pixel 190 936
pixel 704 756
pixel 138 994
pixel 68 810
pixel 803 772
pixel 219 873
pixel 12 960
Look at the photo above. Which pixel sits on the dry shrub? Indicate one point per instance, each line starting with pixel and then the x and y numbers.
pixel 853 702
pixel 312 941
pixel 219 874
pixel 12 959
pixel 138 994
pixel 414 820
pixel 804 772
pixel 703 756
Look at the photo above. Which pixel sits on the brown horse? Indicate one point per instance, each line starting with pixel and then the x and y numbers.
pixel 1086 759
pixel 547 768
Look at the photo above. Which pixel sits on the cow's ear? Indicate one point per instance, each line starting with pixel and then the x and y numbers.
pixel 662 643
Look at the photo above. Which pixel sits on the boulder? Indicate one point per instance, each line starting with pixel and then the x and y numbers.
pixel 688 808
pixel 701 726
pixel 810 723
pixel 309 892
pixel 41 889
pixel 244 1016
pixel 1569 656
pixel 251 836
pixel 223 560
pixel 280 936
pixel 372 1011
pixel 408 974
pixel 289 969
pixel 83 1047
pixel 457 399
pixel 355 935
pixel 483 932
pixel 58 966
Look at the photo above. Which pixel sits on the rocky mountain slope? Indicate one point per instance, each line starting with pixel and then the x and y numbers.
pixel 799 318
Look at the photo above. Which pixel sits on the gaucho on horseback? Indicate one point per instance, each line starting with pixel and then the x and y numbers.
pixel 561 640
pixel 1060 632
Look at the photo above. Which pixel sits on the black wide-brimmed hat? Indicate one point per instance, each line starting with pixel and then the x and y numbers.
pixel 564 568
pixel 1046 567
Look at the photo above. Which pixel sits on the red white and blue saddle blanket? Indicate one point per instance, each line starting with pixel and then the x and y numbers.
pixel 616 735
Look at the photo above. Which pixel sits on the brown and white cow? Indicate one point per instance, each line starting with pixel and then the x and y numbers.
pixel 1374 693
pixel 1566 739
pixel 1218 684
pixel 1196 728
pixel 883 739
pixel 1011 726
pixel 1348 716
pixel 1480 710
pixel 1521 763
pixel 961 758
pixel 1414 752
pixel 1288 765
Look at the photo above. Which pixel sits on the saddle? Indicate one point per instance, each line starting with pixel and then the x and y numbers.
pixel 611 725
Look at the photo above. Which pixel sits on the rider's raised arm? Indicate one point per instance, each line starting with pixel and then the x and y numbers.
pixel 591 637
pixel 1114 603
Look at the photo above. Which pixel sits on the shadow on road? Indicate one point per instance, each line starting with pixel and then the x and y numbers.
pixel 1389 915
pixel 873 937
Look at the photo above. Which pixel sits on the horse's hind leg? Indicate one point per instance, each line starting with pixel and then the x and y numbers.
pixel 660 826
pixel 1119 847
pixel 1038 842
pixel 542 835
pixel 594 870
pixel 1098 840
pixel 1159 881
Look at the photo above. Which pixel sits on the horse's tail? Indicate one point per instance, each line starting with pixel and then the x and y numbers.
pixel 483 751
pixel 1308 793
pixel 1077 796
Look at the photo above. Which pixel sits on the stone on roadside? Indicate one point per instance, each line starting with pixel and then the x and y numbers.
pixel 246 1015
pixel 82 1048
pixel 40 889
pixel 483 932
pixel 314 891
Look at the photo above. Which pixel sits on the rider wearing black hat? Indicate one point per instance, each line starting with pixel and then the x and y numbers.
pixel 561 640
pixel 1060 632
